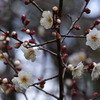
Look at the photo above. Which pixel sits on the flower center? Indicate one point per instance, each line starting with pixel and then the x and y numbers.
pixel 49 20
pixel 94 38
pixel 24 79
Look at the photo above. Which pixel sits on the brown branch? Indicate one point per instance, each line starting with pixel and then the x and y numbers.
pixel 74 36
pixel 51 41
pixel 46 92
pixel 37 6
pixel 48 51
pixel 46 80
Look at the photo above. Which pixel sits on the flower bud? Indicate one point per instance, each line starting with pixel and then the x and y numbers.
pixel 17 62
pixel 25 43
pixel 77 27
pixel 97 22
pixel 64 48
pixel 87 10
pixel 32 41
pixel 27 21
pixel 0 80
pixel 95 94
pixel 27 2
pixel 14 34
pixel 7 32
pixel 17 45
pixel 32 32
pixel 10 48
pixel 23 29
pixel 5 81
pixel 7 39
pixel 55 9
pixel 58 21
pixel 73 92
pixel 28 31
pixel 23 18
pixel 19 68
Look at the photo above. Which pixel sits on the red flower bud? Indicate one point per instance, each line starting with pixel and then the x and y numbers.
pixel 32 32
pixel 10 48
pixel 17 45
pixel 23 18
pixel 87 10
pixel 64 48
pixel 32 40
pixel 19 68
pixel 27 2
pixel 27 22
pixel 97 22
pixel 95 94
pixel 23 29
pixel 77 27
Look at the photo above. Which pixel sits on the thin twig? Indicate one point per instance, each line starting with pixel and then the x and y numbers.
pixel 25 96
pixel 46 79
pixel 37 6
pixel 47 92
pixel 74 36
pixel 51 52
pixel 51 41
pixel 74 22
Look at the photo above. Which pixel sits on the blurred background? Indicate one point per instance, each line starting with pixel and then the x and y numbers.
pixel 46 65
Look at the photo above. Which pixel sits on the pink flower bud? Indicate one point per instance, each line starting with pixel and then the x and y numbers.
pixel 73 92
pixel 0 80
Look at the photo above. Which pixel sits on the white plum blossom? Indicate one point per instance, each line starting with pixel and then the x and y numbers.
pixel 96 71
pixel 70 67
pixel 93 39
pixel 30 53
pixel 78 70
pixel 46 20
pixel 75 58
pixel 23 81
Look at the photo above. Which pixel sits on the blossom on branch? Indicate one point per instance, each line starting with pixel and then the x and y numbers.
pixel 30 53
pixel 93 39
pixel 46 20
pixel 96 71
pixel 23 81
pixel 78 70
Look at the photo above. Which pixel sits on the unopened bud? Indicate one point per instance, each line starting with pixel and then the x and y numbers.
pixel 64 48
pixel 87 10
pixel 55 9
pixel 27 21
pixel 17 45
pixel 5 81
pixel 17 62
pixel 23 18
pixel 14 34
pixel 25 43
pixel 58 21
pixel 32 32
pixel 23 29
pixel 97 22
pixel 95 94
pixel 27 2
pixel 28 31
pixel 77 27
